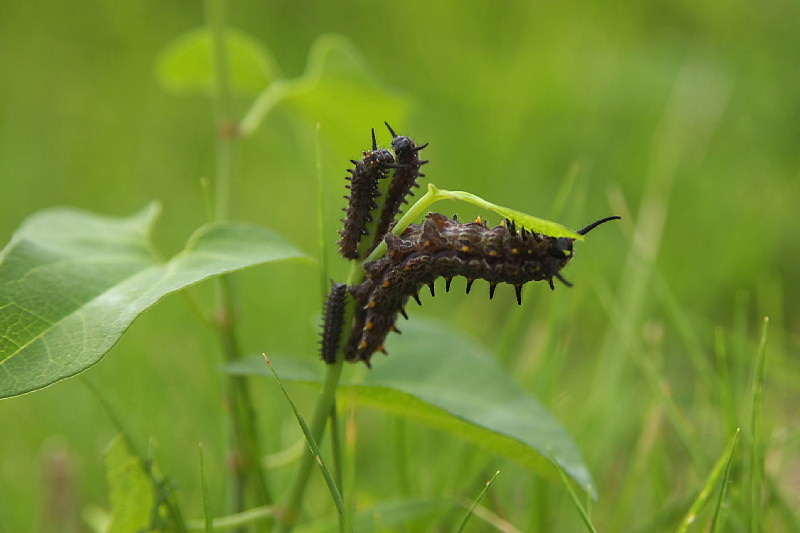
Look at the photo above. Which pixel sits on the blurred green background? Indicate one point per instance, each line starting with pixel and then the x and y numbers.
pixel 683 117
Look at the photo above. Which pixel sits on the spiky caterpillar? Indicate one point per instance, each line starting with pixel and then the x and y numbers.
pixel 333 322
pixel 443 247
pixel 374 166
pixel 407 165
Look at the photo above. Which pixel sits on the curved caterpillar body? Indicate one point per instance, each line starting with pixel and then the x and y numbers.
pixel 443 247
pixel 364 178
pixel 404 180
pixel 334 320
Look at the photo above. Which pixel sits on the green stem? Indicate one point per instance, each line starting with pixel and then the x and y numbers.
pixel 326 402
pixel 415 211
pixel 264 104
pixel 336 448
pixel 223 108
pixel 248 482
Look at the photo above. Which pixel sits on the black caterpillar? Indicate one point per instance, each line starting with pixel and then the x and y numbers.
pixel 364 178
pixel 333 322
pixel 443 247
pixel 404 180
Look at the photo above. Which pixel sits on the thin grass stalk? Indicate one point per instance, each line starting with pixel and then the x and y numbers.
pixel 336 449
pixel 715 521
pixel 235 521
pixel 289 514
pixel 344 524
pixel 208 520
pixel 290 511
pixel 476 502
pixel 757 435
pixel 582 510
pixel 725 388
pixel 719 470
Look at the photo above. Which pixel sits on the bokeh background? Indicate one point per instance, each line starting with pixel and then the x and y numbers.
pixel 683 117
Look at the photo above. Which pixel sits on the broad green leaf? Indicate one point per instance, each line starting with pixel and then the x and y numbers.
pixel 130 490
pixel 438 376
pixel 185 66
pixel 72 282
pixel 337 91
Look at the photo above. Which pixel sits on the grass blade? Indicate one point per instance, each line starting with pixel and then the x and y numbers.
pixel 724 486
pixel 236 520
pixel 757 434
pixel 476 502
pixel 207 517
pixel 574 496
pixel 312 443
pixel 721 468
pixel 500 524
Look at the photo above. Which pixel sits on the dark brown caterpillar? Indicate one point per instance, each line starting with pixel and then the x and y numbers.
pixel 442 247
pixel 363 187
pixel 334 320
pixel 404 180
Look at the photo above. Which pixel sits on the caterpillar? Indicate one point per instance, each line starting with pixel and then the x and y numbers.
pixel 333 322
pixel 405 177
pixel 363 186
pixel 444 247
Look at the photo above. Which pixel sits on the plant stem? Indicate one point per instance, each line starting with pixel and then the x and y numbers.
pixel 223 109
pixel 248 482
pixel 287 516
pixel 336 448
pixel 290 512
pixel 247 474
pixel 413 212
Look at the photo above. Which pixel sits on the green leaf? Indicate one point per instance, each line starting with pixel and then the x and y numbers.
pixel 72 282
pixel 185 65
pixel 130 490
pixel 336 91
pixel 539 225
pixel 440 377
pixel 338 88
